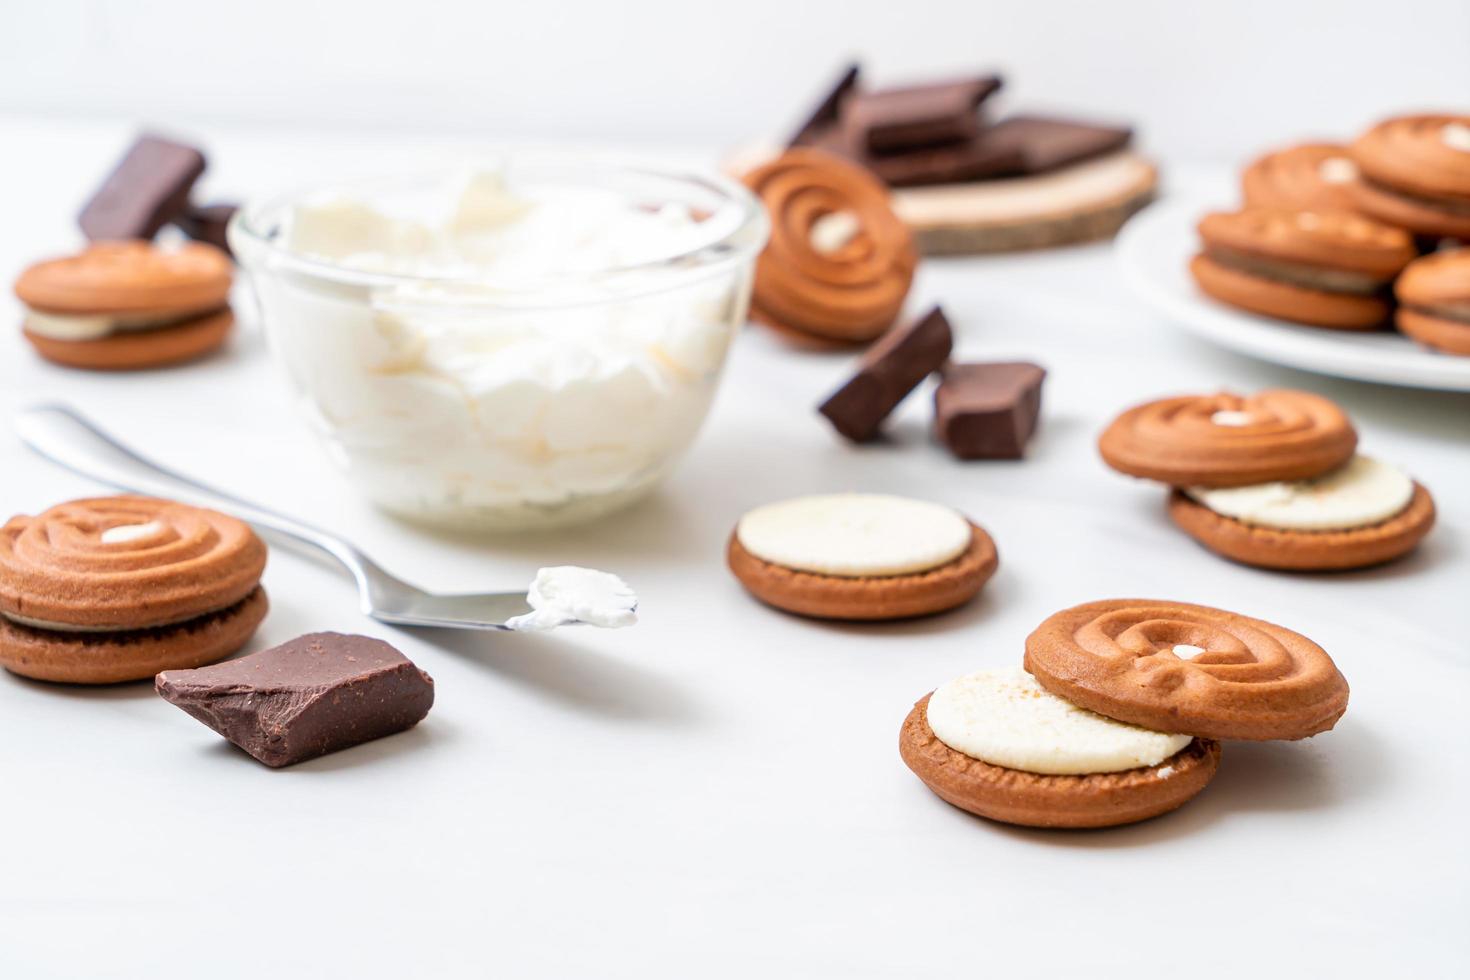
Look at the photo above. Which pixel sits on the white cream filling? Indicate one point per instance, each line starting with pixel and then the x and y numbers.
pixel 1337 170
pixel 831 232
pixel 1004 717
pixel 93 326
pixel 855 535
pixel 123 533
pixel 566 594
pixel 1456 136
pixel 1233 419
pixel 1359 494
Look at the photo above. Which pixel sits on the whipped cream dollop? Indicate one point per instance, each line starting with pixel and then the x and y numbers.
pixel 524 358
pixel 566 594
pixel 1360 493
pixel 1004 717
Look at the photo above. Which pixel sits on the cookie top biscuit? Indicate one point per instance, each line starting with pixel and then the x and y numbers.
pixel 1171 666
pixel 122 563
pixel 1227 440
pixel 1424 154
pixel 1332 239
pixel 1439 279
pixel 839 261
pixel 124 277
pixel 1309 177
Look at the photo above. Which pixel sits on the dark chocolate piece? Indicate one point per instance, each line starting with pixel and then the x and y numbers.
pixel 207 223
pixel 826 113
pixel 1047 143
pixel 976 159
pixel 988 411
pixel 148 188
pixel 891 368
pixel 312 695
pixel 898 119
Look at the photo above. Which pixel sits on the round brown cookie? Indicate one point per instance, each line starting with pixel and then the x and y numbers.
pixel 1435 295
pixel 136 350
pixel 113 657
pixel 124 563
pixel 1284 301
pixel 1135 660
pixel 1322 268
pixel 1226 440
pixel 848 293
pixel 1308 177
pixel 1033 800
pixel 124 277
pixel 1416 173
pixel 871 597
pixel 1267 547
pixel 1080 203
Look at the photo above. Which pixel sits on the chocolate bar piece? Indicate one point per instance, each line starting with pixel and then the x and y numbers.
pixel 207 223
pixel 826 113
pixel 149 187
pixel 890 369
pixel 1046 143
pixel 315 694
pixel 988 411
pixel 918 115
pixel 953 163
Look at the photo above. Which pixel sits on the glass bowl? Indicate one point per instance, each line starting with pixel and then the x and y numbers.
pixel 549 386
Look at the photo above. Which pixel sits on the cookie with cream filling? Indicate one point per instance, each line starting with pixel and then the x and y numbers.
pixel 1363 513
pixel 860 556
pixel 128 305
pixel 996 744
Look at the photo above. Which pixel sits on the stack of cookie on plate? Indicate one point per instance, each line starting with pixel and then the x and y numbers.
pixel 1331 234
pixel 1272 480
pixel 1118 713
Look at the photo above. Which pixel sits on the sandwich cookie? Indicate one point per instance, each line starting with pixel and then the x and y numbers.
pixel 860 556
pixel 1434 301
pixel 1415 174
pixel 118 588
pixel 1364 513
pixel 839 262
pixel 1309 177
pixel 1228 440
pixel 120 306
pixel 1193 670
pixel 995 743
pixel 1320 268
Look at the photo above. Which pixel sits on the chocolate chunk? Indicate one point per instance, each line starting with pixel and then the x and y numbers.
pixel 1046 143
pixel 976 159
pixel 207 223
pixel 891 368
pixel 149 187
pixel 988 411
pixel 826 113
pixel 915 116
pixel 315 694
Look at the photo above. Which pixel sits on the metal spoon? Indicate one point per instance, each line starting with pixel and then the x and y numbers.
pixel 65 436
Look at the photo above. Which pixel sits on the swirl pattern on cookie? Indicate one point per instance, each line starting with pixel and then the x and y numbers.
pixel 1227 440
pixel 1172 666
pixel 124 563
pixel 1426 154
pixel 128 277
pixel 839 262
pixel 1311 177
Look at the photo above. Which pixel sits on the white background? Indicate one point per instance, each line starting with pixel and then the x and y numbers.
pixel 1200 79
pixel 717 792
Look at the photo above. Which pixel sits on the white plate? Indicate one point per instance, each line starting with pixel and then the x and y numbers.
pixel 1153 252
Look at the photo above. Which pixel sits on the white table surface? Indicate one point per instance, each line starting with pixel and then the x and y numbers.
pixel 718 792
